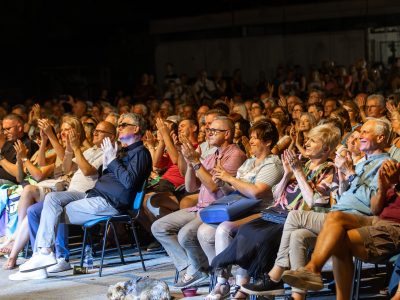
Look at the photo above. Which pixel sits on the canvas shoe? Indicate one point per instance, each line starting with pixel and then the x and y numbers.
pixel 34 275
pixel 38 261
pixel 191 280
pixel 264 288
pixel 303 279
pixel 61 266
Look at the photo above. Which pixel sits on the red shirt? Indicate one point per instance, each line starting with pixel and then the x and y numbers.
pixel 392 211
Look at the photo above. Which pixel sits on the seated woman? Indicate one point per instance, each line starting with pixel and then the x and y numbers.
pixel 307 122
pixel 254 179
pixel 256 243
pixel 34 191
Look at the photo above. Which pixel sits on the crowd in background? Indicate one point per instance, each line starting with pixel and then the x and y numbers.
pixel 190 125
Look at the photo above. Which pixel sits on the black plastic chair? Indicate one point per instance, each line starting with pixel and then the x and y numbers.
pixel 355 290
pixel 109 223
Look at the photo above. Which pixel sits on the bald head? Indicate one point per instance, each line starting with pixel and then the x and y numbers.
pixel 104 129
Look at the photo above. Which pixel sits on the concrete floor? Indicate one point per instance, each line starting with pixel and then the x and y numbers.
pixel 90 286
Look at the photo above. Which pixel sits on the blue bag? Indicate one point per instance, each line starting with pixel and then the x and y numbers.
pixel 228 208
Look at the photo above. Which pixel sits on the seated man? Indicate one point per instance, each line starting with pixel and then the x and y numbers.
pixel 370 238
pixel 123 174
pixel 177 232
pixel 13 130
pixel 356 187
pixel 83 179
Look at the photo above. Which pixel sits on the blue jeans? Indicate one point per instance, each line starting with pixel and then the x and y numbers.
pixel 394 281
pixel 61 245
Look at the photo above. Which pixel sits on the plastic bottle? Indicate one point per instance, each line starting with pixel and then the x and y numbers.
pixel 88 259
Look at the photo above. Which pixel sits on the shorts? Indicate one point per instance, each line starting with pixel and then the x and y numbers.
pixel 381 239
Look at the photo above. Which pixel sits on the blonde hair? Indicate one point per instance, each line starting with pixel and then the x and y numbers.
pixel 327 133
pixel 76 124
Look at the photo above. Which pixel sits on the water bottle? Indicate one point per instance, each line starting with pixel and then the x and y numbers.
pixel 88 258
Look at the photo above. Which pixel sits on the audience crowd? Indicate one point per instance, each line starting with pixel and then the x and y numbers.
pixel 320 150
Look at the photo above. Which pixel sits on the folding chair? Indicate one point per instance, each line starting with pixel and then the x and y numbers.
pixel 109 223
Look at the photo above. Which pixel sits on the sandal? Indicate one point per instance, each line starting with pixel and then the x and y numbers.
pixel 10 264
pixel 237 294
pixel 6 247
pixel 221 291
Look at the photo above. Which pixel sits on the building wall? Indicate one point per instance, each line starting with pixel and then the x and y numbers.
pixel 252 54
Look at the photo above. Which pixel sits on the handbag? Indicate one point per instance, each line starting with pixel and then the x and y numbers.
pixel 228 208
pixel 275 215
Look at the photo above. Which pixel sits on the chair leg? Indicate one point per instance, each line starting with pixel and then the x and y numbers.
pixel 121 255
pixel 103 247
pixel 83 245
pixel 176 276
pixel 355 290
pixel 137 244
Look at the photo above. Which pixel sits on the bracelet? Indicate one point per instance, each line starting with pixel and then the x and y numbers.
pixel 24 159
pixel 398 291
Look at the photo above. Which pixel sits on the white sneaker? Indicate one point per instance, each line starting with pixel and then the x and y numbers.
pixel 61 266
pixel 38 274
pixel 38 261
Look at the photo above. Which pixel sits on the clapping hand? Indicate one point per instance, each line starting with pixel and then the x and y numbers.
pixel 292 161
pixel 189 153
pixel 220 174
pixel 20 150
pixel 109 151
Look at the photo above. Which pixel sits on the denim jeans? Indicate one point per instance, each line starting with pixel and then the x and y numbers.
pixel 61 246
pixel 177 232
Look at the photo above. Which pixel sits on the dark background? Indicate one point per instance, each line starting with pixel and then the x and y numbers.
pixel 52 46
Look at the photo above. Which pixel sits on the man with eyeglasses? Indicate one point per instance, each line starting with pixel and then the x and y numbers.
pixel 177 232
pixel 13 129
pixel 123 174
pixel 373 106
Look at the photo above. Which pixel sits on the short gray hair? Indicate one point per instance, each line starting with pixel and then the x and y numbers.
pixel 381 128
pixel 136 120
pixel 379 97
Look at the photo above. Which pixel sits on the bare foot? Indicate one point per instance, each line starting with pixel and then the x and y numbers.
pixel 10 264
pixel 220 291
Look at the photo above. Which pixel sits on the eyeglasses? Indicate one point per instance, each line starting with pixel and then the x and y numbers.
pixel 255 107
pixel 371 106
pixel 213 131
pixel 98 131
pixel 123 125
pixel 9 128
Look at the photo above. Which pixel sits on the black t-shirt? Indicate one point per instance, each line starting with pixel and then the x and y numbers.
pixel 9 153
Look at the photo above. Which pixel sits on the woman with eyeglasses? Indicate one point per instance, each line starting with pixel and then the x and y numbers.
pixel 32 175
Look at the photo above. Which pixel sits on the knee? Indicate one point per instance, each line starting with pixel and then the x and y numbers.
pixel 206 233
pixel 334 217
pixel 51 199
pixel 158 228
pixel 225 230
pixel 186 235
pixel 29 192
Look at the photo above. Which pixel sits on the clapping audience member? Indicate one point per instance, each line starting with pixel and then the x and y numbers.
pixel 177 232
pixel 309 188
pixel 254 179
pixel 123 174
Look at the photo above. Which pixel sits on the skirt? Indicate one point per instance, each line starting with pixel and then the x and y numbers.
pixel 254 248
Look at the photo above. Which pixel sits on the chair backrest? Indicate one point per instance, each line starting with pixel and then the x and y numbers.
pixel 137 203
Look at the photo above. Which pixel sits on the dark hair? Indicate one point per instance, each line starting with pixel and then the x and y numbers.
pixel 266 131
pixel 260 103
pixel 318 106
pixel 344 117
pixel 221 106
pixel 244 126
pixel 192 121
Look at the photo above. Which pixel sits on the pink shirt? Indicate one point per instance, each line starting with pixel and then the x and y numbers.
pixel 231 159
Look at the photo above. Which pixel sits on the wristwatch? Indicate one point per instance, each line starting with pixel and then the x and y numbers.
pixel 197 166
pixel 24 159
pixel 351 178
